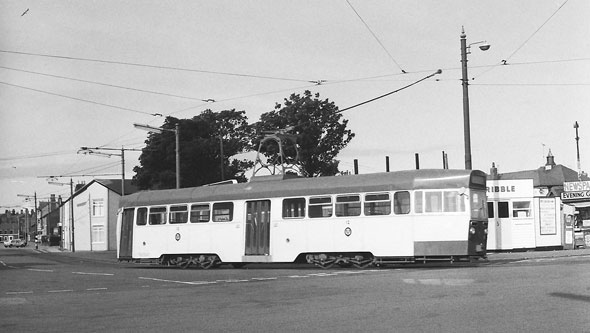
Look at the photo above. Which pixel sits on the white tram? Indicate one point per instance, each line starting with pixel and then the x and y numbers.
pixel 360 220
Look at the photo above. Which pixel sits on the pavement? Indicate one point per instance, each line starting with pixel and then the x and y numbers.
pixel 111 256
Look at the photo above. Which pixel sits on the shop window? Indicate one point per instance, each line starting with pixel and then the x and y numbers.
pixel 491 210
pixel 141 216
pixel 223 211
pixel 377 204
pixel 503 210
pixel 348 205
pixel 320 207
pixel 200 213
pixel 294 208
pixel 178 214
pixel 157 215
pixel 521 209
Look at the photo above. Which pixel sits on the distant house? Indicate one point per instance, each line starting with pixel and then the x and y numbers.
pixel 94 222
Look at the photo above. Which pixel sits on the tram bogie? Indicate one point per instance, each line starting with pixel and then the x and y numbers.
pixel 359 221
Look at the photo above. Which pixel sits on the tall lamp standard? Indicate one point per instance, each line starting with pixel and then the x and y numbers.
pixel 465 50
pixel 160 130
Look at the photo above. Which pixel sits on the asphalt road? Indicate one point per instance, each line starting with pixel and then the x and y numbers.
pixel 49 292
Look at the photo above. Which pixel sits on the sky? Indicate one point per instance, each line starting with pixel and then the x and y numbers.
pixel 80 73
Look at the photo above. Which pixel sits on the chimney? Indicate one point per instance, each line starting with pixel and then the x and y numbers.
pixel 550 161
pixel 494 171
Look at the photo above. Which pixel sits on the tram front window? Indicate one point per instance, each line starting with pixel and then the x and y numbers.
pixel 479 205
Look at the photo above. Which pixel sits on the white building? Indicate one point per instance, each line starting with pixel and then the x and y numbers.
pixel 94 206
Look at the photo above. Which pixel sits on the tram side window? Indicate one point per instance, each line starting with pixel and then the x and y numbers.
pixel 377 204
pixel 521 209
pixel 294 208
pixel 453 202
pixel 178 214
pixel 223 211
pixel 141 216
pixel 320 207
pixel 418 205
pixel 433 202
pixel 348 205
pixel 200 213
pixel 157 215
pixel 401 202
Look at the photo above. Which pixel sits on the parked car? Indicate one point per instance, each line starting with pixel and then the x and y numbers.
pixel 15 243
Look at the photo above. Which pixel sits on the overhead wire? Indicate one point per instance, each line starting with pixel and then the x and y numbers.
pixel 154 66
pixel 505 61
pixel 375 36
pixel 106 84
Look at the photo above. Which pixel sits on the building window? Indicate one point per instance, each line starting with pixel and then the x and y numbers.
pixel 200 213
pixel 157 215
pixel 377 204
pixel 348 205
pixel 98 234
pixel 521 209
pixel 98 207
pixel 294 208
pixel 223 211
pixel 178 214
pixel 320 207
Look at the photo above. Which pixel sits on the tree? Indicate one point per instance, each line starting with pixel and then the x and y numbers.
pixel 200 151
pixel 319 128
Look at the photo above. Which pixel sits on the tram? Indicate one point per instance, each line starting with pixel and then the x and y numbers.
pixel 351 220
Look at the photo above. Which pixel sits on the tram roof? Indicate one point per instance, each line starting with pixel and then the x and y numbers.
pixel 272 186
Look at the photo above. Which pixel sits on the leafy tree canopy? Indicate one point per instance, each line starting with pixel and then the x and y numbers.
pixel 319 128
pixel 200 151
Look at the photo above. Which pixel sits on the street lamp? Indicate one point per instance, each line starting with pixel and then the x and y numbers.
pixel 465 82
pixel 160 130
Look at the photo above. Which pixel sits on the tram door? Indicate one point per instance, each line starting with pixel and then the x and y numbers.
pixel 126 241
pixel 257 227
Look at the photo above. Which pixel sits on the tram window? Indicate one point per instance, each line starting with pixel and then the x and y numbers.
pixel 377 204
pixel 157 215
pixel 294 208
pixel 453 202
pixel 178 214
pixel 200 213
pixel 141 216
pixel 521 209
pixel 401 202
pixel 223 211
pixel 418 206
pixel 433 202
pixel 348 205
pixel 479 205
pixel 503 211
pixel 320 207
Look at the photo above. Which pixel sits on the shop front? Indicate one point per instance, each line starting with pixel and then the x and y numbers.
pixel 576 200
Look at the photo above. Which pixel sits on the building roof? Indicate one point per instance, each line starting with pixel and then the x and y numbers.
pixel 544 177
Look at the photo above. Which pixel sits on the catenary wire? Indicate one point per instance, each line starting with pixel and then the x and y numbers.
pixel 153 66
pixel 375 36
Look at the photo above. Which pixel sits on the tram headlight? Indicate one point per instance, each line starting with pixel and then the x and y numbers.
pixel 472 230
